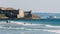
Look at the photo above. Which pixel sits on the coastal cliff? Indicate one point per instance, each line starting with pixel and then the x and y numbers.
pixel 35 16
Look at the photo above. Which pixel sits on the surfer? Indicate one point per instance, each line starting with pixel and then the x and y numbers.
pixel 31 23
pixel 8 21
pixel 24 23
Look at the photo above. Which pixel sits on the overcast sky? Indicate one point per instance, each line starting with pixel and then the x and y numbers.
pixel 48 6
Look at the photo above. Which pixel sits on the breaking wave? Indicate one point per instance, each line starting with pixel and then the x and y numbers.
pixel 54 31
pixel 13 23
pixel 28 26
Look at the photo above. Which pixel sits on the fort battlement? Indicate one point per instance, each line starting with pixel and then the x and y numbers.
pixel 13 13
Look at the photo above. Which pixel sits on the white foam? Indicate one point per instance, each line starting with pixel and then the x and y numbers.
pixel 19 23
pixel 33 29
pixel 23 23
pixel 1 26
pixel 10 27
pixel 26 24
pixel 55 31
pixel 22 28
pixel 52 26
pixel 31 25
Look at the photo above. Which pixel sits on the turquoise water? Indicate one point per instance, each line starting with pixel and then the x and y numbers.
pixel 42 21
pixel 42 26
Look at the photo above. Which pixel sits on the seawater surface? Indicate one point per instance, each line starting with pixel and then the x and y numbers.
pixel 42 26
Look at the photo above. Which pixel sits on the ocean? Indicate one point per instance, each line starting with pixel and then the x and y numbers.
pixel 28 26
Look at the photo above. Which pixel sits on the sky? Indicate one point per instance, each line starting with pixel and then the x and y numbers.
pixel 42 6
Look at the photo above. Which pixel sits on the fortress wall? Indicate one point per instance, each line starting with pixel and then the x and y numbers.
pixel 21 14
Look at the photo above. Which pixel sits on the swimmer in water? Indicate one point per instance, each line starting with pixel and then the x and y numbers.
pixel 8 21
pixel 24 23
pixel 31 23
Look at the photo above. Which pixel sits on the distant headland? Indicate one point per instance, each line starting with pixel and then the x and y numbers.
pixel 11 13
